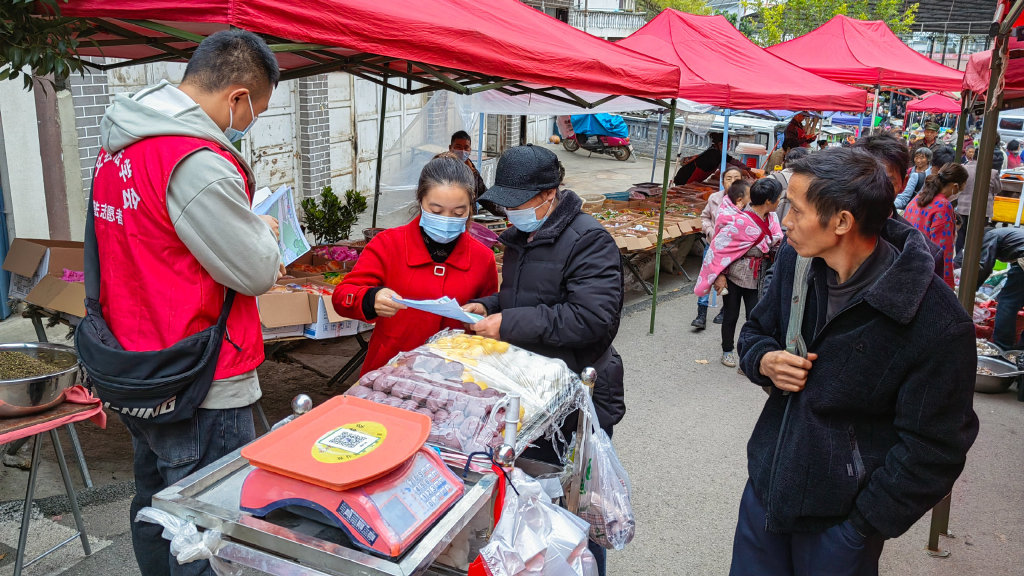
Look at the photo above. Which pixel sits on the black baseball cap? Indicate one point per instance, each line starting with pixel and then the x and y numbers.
pixel 523 172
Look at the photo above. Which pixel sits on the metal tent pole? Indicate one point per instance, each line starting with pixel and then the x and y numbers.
pixel 480 143
pixel 874 110
pixel 725 147
pixel 661 217
pixel 657 141
pixel 380 148
pixel 961 128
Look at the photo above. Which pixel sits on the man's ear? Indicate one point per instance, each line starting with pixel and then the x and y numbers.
pixel 843 223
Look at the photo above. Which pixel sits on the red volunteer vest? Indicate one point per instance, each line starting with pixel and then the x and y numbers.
pixel 152 289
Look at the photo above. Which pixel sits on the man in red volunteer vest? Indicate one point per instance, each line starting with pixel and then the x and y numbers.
pixel 175 230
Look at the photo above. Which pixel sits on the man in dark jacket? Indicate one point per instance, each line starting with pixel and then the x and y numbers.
pixel 1006 244
pixel 895 158
pixel 870 415
pixel 561 290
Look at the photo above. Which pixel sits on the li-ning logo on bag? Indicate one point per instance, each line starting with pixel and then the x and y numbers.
pixel 146 413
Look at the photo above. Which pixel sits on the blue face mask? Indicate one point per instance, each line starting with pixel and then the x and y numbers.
pixel 236 135
pixel 526 219
pixel 443 229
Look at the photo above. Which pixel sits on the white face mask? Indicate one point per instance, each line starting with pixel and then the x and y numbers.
pixel 233 134
pixel 526 219
pixel 462 155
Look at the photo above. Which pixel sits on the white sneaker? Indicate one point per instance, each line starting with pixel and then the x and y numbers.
pixel 729 359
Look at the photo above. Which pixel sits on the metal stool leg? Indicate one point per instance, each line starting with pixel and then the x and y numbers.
pixel 262 416
pixel 26 514
pixel 82 466
pixel 72 499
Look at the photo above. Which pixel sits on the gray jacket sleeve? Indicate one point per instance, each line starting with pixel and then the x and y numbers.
pixel 209 207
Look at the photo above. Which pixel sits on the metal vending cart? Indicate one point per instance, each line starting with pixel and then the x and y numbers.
pixel 296 545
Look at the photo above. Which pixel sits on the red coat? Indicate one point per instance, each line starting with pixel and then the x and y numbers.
pixel 397 259
pixel 153 290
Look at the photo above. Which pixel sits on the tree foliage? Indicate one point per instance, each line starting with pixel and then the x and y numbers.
pixel 782 20
pixel 33 34
pixel 654 7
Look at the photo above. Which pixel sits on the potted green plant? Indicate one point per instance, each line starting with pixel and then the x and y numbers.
pixel 329 219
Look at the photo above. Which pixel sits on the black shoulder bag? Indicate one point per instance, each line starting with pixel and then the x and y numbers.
pixel 159 386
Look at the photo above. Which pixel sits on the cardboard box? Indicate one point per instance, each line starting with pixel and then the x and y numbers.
pixel 325 322
pixel 53 293
pixel 284 314
pixel 30 260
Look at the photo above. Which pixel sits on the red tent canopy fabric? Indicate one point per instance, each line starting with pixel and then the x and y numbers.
pixel 866 52
pixel 503 40
pixel 723 68
pixel 979 71
pixel 936 103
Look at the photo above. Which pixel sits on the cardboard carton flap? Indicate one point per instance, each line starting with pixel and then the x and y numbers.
pixel 24 257
pixel 55 294
pixel 332 314
pixel 65 257
pixel 284 309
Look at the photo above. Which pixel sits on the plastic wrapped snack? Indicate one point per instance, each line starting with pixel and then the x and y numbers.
pixel 545 386
pixel 466 416
pixel 462 382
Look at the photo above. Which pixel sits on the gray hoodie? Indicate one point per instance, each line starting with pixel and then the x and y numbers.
pixel 207 203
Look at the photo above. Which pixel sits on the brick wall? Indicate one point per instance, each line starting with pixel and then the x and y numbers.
pixel 91 96
pixel 314 135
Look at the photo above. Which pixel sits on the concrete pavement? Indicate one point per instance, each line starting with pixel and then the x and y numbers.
pixel 683 442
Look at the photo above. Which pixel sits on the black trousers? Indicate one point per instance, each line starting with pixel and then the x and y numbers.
pixel 731 312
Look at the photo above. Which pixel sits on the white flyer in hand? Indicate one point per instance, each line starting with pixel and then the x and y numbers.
pixel 281 205
pixel 444 306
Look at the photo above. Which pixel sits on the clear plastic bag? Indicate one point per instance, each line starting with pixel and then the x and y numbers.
pixel 188 544
pixel 536 538
pixel 465 416
pixel 605 493
pixel 462 383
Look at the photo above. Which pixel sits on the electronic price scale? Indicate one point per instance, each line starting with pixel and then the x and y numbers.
pixel 357 465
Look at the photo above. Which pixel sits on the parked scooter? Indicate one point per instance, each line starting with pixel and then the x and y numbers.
pixel 600 133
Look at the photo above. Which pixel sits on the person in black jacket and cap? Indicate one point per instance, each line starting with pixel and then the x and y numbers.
pixel 561 292
pixel 869 417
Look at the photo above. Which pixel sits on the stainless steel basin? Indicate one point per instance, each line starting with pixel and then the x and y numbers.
pixel 997 383
pixel 30 395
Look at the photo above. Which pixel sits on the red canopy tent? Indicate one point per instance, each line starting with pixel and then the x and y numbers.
pixel 936 103
pixel 979 70
pixel 723 68
pixel 866 52
pixel 442 44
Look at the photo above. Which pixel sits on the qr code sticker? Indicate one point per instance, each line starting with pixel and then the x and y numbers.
pixel 348 440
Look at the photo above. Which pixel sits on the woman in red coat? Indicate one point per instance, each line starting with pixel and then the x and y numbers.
pixel 430 257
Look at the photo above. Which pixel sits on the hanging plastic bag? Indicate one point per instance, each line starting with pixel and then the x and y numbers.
pixel 536 538
pixel 188 544
pixel 605 491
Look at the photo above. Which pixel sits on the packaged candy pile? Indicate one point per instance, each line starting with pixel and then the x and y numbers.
pixel 462 383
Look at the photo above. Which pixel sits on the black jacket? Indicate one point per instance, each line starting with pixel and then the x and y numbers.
pixel 1006 244
pixel 561 297
pixel 882 429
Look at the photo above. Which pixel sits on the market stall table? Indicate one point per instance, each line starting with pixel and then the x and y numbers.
pixel 34 426
pixel 36 315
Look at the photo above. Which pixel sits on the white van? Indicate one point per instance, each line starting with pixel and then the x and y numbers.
pixel 1011 126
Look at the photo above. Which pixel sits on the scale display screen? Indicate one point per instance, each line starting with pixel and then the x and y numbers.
pixel 424 490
